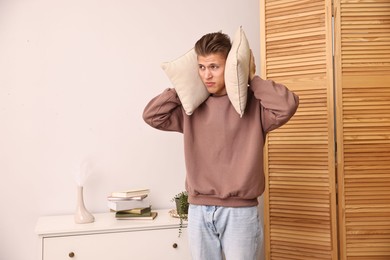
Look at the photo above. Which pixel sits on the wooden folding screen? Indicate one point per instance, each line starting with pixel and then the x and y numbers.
pixel 300 199
pixel 362 59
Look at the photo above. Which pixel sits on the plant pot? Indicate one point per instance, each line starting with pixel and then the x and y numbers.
pixel 181 208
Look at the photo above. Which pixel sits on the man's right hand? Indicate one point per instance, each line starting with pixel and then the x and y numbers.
pixel 252 67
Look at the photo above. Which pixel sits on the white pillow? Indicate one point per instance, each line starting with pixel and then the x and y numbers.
pixel 237 71
pixel 183 74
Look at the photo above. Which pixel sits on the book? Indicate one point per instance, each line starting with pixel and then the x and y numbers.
pixel 137 211
pixel 127 198
pixel 118 205
pixel 130 193
pixel 147 216
pixel 126 213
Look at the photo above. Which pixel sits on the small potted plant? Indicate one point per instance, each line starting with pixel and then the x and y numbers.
pixel 181 200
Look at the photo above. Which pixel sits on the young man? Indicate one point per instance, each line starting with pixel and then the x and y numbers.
pixel 223 153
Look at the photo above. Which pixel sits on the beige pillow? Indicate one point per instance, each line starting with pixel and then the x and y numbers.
pixel 237 71
pixel 183 74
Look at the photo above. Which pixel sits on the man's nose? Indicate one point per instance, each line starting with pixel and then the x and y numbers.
pixel 208 74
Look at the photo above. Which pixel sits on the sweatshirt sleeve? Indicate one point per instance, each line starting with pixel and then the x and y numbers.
pixel 278 103
pixel 164 112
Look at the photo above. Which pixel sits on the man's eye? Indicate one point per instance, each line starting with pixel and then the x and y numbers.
pixel 201 67
pixel 213 67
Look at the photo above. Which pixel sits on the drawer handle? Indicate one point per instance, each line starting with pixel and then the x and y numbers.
pixel 71 254
pixel 174 245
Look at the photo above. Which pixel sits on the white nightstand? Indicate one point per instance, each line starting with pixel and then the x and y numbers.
pixel 109 238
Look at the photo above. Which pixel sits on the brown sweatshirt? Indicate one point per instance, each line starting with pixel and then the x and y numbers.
pixel 223 152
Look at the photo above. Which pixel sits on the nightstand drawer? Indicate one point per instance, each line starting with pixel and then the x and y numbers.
pixel 144 244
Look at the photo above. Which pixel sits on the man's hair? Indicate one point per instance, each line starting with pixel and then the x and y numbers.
pixel 212 43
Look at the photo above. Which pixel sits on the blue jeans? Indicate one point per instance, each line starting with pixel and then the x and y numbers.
pixel 233 232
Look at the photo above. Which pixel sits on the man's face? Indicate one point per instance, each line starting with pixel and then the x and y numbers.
pixel 212 71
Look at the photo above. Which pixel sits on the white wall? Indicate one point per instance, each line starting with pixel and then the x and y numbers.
pixel 75 76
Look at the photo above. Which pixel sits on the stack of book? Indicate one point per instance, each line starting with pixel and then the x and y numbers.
pixel 131 204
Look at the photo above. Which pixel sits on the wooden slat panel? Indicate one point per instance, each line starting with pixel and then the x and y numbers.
pixel 300 197
pixel 362 60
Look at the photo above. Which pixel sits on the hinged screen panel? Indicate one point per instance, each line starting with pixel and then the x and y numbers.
pixel 300 198
pixel 362 30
